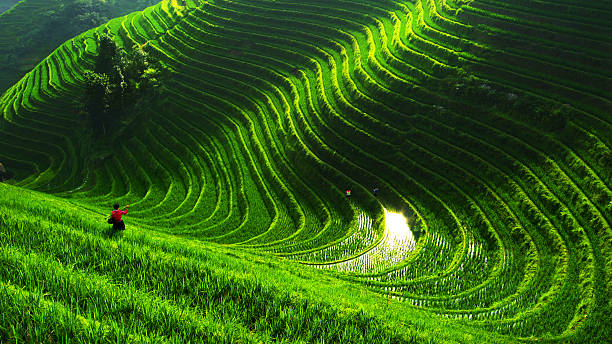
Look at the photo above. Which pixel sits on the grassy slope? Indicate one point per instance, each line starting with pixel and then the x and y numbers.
pixel 68 260
pixel 275 106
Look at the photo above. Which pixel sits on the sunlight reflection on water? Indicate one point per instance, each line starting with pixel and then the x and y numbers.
pixel 396 245
pixel 398 232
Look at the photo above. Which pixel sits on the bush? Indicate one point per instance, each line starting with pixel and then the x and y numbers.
pixel 120 88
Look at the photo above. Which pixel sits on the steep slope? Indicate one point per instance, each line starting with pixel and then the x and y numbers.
pixel 487 124
pixel 64 280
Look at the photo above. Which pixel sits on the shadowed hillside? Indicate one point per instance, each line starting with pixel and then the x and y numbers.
pixel 34 28
pixel 6 4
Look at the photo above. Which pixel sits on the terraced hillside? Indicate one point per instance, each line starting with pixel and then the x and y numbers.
pixel 487 124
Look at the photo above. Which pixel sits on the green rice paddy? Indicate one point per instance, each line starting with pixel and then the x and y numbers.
pixel 486 124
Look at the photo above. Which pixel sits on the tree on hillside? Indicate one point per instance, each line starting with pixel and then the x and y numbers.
pixel 120 88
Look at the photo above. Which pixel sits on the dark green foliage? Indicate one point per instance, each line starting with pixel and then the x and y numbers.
pixel 98 102
pixel 107 51
pixel 120 89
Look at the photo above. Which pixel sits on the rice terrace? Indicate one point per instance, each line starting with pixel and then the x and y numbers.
pixel 322 171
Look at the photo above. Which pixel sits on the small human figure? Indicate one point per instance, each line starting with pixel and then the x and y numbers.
pixel 376 191
pixel 116 216
pixel 348 192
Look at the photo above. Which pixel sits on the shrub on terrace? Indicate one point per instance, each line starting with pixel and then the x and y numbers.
pixel 120 89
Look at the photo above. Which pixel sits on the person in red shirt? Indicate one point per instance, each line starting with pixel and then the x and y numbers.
pixel 116 215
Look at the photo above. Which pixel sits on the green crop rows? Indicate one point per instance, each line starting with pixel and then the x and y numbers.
pixel 272 109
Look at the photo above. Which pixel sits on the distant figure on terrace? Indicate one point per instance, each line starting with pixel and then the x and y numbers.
pixel 376 192
pixel 116 217
pixel 348 193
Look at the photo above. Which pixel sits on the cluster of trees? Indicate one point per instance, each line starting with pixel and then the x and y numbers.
pixel 123 85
